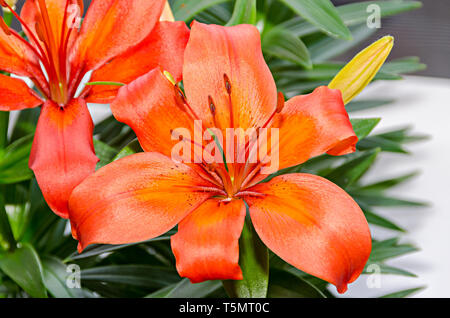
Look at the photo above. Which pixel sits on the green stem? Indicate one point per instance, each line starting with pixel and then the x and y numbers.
pixel 254 263
pixel 7 240
pixel 4 121
pixel 7 17
pixel 105 83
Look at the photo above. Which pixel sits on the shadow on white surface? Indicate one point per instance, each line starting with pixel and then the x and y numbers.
pixel 423 103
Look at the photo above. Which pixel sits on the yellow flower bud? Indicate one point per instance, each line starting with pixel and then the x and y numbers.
pixel 11 3
pixel 360 71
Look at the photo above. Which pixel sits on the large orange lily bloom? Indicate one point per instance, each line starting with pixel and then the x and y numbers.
pixel 306 220
pixel 119 39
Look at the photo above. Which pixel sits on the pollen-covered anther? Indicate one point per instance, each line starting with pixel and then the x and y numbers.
pixel 227 83
pixel 39 31
pixel 212 107
pixel 169 77
pixel 181 99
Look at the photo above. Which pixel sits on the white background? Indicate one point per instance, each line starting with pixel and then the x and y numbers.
pixel 423 103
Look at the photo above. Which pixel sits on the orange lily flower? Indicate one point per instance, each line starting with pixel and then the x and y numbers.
pixel 119 40
pixel 306 220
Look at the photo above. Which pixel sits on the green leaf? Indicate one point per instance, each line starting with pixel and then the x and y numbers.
pixel 184 10
pixel 283 284
pixel 24 267
pixel 26 123
pixel 403 136
pixel 402 66
pixel 382 143
pixel 4 121
pixel 185 289
pixel 364 126
pixel 322 14
pixel 104 152
pixel 383 250
pixel 132 148
pixel 350 172
pixel 354 106
pixel 132 275
pixel 325 48
pixel 254 262
pixel 14 161
pixel 404 293
pixel 244 13
pixel 389 183
pixel 380 221
pixel 7 241
pixel 388 270
pixel 96 250
pixel 283 44
pixel 353 14
pixel 372 198
pixel 55 279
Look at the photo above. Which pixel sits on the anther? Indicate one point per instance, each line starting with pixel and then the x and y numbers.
pixel 39 31
pixel 169 77
pixel 227 83
pixel 179 94
pixel 280 102
pixel 4 27
pixel 212 107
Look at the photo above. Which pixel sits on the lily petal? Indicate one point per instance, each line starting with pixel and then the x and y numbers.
pixel 18 58
pixel 31 15
pixel 222 76
pixel 137 198
pixel 16 95
pixel 310 125
pixel 152 107
pixel 206 246
pixel 313 225
pixel 113 26
pixel 164 48
pixel 63 152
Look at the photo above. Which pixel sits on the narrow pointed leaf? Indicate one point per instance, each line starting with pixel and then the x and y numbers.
pixel 283 44
pixel 184 289
pixel 284 284
pixel 244 13
pixel 363 126
pixel 354 13
pixel 354 106
pixel 55 279
pixel 352 170
pixel 184 10
pixel 24 267
pixel 7 241
pixel 403 293
pixel 322 14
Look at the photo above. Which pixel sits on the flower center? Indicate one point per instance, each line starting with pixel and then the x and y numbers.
pixel 51 50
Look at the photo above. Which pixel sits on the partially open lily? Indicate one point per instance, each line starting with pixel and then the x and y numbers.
pixel 306 220
pixel 119 39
